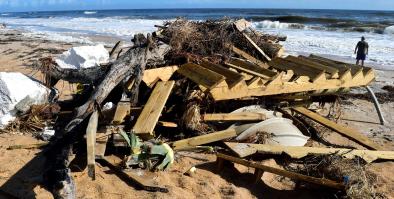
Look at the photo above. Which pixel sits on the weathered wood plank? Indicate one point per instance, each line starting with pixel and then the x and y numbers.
pixel 232 78
pixel 252 69
pixel 345 73
pixel 281 172
pixel 151 112
pixel 244 116
pixel 151 76
pixel 101 141
pixel 343 130
pixel 245 149
pixel 355 69
pixel 122 110
pixel 249 57
pixel 334 73
pixel 90 143
pixel 256 47
pixel 284 65
pixel 201 75
pixel 203 139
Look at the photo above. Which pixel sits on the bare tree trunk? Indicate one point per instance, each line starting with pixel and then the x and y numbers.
pixel 130 64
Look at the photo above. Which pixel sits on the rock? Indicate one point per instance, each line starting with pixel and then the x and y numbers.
pixel 17 93
pixel 83 57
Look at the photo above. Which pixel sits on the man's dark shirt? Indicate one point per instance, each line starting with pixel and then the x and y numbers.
pixel 361 47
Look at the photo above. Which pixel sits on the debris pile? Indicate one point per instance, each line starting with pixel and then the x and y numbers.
pixel 190 86
pixel 18 93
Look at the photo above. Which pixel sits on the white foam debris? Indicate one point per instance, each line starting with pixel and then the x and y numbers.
pixel 17 93
pixel 83 57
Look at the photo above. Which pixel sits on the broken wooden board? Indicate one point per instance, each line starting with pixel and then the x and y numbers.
pixel 242 24
pixel 151 112
pixel 313 73
pixel 245 149
pixel 232 78
pixel 168 124
pixel 282 172
pixel 343 72
pixel 252 59
pixel 101 141
pixel 355 69
pixel 143 182
pixel 244 116
pixel 334 73
pixel 201 75
pixel 256 47
pixel 343 130
pixel 28 146
pixel 252 69
pixel 151 76
pixel 122 110
pixel 203 139
pixel 90 144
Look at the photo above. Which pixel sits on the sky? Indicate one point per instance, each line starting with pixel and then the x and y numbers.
pixel 50 5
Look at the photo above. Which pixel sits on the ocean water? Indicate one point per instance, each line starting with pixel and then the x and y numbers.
pixel 327 32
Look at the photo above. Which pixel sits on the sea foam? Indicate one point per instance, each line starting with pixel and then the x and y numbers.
pixel 389 30
pixel 278 25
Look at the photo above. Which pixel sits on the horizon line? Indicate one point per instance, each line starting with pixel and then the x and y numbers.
pixel 197 8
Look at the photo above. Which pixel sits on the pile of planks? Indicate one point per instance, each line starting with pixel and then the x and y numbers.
pixel 248 77
pixel 149 82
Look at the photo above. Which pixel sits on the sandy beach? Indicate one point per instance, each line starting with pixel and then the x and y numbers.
pixel 21 170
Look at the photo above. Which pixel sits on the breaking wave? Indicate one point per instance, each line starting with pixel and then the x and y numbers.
pixel 301 19
pixel 341 26
pixel 89 12
pixel 389 30
pixel 279 25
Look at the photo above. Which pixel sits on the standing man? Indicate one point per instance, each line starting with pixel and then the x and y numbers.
pixel 361 50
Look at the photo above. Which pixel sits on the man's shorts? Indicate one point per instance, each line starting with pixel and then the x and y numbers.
pixel 361 56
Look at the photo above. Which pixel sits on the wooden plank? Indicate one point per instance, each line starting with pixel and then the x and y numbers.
pixel 101 141
pixel 281 172
pixel 28 146
pixel 143 182
pixel 151 76
pixel 249 57
pixel 355 69
pixel 283 65
pixel 343 71
pixel 232 78
pixel 149 116
pixel 256 47
pixel 286 87
pixel 245 149
pixel 244 116
pixel 334 73
pixel 90 144
pixel 343 130
pixel 122 110
pixel 256 82
pixel 168 124
pixel 252 69
pixel 201 75
pixel 203 139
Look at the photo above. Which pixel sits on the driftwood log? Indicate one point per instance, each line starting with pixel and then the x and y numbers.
pixel 130 65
